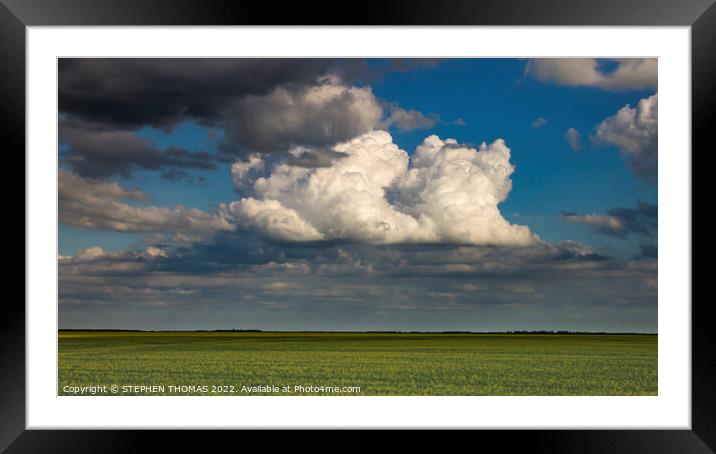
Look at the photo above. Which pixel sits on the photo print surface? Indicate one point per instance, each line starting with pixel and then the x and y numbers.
pixel 356 226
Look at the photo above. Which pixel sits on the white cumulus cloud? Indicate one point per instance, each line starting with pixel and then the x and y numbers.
pixel 634 130
pixel 447 193
pixel 152 252
pixel 628 73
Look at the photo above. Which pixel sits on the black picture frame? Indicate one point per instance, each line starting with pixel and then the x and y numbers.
pixel 16 15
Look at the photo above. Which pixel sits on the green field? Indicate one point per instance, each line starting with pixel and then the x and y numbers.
pixel 379 364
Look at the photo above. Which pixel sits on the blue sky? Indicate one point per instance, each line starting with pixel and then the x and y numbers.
pixel 470 100
pixel 496 100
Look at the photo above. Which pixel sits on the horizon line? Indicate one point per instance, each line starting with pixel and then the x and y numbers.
pixel 354 332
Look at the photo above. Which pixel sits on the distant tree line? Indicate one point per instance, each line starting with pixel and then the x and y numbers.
pixel 234 330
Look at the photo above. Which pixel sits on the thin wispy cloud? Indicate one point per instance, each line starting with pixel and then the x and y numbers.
pixel 573 138
pixel 539 122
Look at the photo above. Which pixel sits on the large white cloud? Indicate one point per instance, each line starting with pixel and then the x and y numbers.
pixel 447 193
pixel 635 132
pixel 458 188
pixel 628 73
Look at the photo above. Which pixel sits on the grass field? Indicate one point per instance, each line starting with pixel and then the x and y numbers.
pixel 223 363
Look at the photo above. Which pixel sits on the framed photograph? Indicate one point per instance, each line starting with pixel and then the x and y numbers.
pixel 466 218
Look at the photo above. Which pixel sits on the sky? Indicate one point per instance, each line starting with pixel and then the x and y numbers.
pixel 358 194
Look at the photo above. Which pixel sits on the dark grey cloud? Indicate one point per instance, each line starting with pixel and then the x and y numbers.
pixel 162 92
pixel 231 250
pixel 264 105
pixel 181 175
pixel 642 220
pixel 621 222
pixel 246 278
pixel 412 64
pixel 104 101
pixel 315 116
pixel 234 250
pixel 649 251
pixel 98 150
